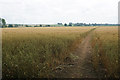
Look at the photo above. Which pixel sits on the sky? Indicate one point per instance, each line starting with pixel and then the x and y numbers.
pixel 59 11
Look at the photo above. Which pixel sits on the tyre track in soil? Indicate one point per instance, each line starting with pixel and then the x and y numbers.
pixel 82 66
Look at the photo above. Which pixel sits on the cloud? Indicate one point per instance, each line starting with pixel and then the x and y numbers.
pixel 53 11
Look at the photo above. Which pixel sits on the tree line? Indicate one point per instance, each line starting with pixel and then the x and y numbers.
pixel 4 25
pixel 85 24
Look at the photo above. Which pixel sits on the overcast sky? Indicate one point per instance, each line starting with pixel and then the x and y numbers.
pixel 54 11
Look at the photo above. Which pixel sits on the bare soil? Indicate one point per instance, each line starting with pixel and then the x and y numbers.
pixel 81 66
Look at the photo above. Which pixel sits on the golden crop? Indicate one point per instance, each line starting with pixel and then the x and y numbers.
pixel 34 52
pixel 105 50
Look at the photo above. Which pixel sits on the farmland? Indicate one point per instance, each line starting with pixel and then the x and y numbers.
pixel 36 52
pixel 105 50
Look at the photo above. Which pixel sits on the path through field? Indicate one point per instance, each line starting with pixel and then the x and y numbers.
pixel 82 66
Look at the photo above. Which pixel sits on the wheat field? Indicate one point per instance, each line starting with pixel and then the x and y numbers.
pixel 105 50
pixel 35 52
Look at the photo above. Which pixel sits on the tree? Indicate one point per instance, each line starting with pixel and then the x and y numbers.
pixel 3 23
pixel 65 24
pixel 47 25
pixel 70 24
pixel 40 25
pixel 59 23
pixel 35 26
pixel 16 25
pixel 26 26
pixel 0 22
pixel 10 25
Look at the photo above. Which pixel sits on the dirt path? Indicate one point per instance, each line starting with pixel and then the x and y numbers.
pixel 80 67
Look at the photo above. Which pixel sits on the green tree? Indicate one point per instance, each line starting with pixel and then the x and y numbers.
pixel 70 24
pixel 0 22
pixel 10 25
pixel 26 26
pixel 3 23
pixel 16 25
pixel 65 24
pixel 40 25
